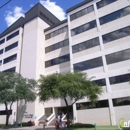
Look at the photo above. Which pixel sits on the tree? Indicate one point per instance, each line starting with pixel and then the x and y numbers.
pixel 74 85
pixel 13 87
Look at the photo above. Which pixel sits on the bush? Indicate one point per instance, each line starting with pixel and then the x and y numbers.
pixel 24 124
pixel 80 125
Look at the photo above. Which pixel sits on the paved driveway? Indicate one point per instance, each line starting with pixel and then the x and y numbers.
pixel 32 128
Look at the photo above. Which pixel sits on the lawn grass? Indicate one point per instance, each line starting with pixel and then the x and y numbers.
pixel 98 128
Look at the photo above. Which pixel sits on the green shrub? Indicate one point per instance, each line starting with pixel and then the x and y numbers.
pixel 24 124
pixel 80 125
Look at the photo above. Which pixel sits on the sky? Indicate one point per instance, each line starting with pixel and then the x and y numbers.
pixel 17 8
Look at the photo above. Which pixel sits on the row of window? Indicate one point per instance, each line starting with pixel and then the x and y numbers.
pixel 103 103
pixel 12 35
pixel 97 62
pixel 121 101
pixel 119 79
pixel 10 58
pixel 9 37
pixel 57 32
pixel 47 18
pixel 6 112
pixel 11 46
pixel 13 69
pixel 124 32
pixel 100 82
pixel 113 80
pixel 90 9
pixel 57 46
pixel 89 64
pixel 83 28
pixel 90 105
pixel 118 56
pixel 116 15
pixel 2 41
pixel 103 3
pixel 57 61
pixel 81 13
pixel 1 51
pixel 85 45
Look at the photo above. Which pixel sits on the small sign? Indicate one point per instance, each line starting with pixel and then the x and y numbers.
pixel 74 118
pixel 28 116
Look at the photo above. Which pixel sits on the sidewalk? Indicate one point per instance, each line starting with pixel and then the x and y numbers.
pixel 32 128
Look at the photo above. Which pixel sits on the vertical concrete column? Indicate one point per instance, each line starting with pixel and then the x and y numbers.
pixel 108 87
pixel 71 64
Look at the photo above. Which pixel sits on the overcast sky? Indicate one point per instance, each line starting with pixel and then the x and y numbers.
pixel 17 8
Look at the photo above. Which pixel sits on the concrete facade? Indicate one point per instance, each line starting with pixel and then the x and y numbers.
pixel 31 58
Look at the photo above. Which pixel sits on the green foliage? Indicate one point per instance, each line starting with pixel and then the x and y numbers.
pixel 80 125
pixel 13 87
pixel 75 85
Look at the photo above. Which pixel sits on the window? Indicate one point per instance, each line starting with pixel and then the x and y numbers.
pixel 85 45
pixel 0 62
pixel 58 60
pixel 11 58
pixel 57 46
pixel 83 28
pixel 121 101
pixel 12 35
pixel 11 46
pixel 116 15
pixel 2 41
pixel 90 105
pixel 57 32
pixel 124 32
pixel 10 70
pixel 118 56
pixel 119 79
pixel 90 64
pixel 81 13
pixel 100 82
pixel 1 51
pixel 103 3
pixel 5 113
pixel 44 16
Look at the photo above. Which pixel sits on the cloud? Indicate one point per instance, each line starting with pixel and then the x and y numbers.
pixel 12 16
pixel 31 5
pixel 54 9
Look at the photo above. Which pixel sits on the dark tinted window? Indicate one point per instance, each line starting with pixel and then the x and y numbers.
pixel 57 32
pixel 116 15
pixel 83 28
pixel 0 62
pixel 1 51
pixel 100 82
pixel 11 58
pixel 90 105
pixel 12 35
pixel 103 3
pixel 5 113
pixel 124 32
pixel 2 41
pixel 118 56
pixel 85 45
pixel 89 64
pixel 81 13
pixel 11 46
pixel 10 70
pixel 57 46
pixel 58 60
pixel 121 101
pixel 119 79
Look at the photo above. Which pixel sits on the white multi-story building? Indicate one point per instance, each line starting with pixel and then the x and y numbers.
pixel 95 38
